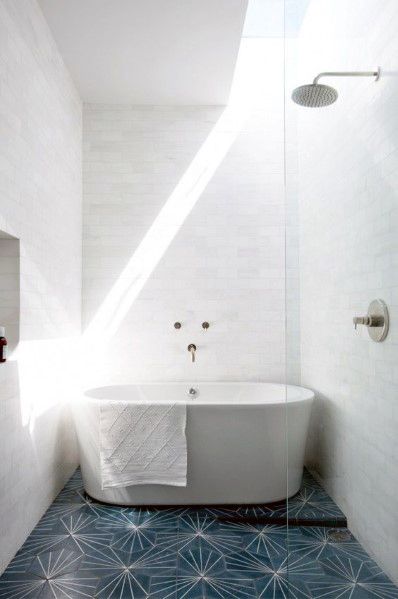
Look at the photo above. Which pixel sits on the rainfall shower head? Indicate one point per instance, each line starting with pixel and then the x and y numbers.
pixel 316 95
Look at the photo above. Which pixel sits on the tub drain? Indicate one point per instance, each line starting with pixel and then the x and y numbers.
pixel 339 536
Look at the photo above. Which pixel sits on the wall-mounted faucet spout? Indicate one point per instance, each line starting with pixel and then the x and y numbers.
pixel 192 349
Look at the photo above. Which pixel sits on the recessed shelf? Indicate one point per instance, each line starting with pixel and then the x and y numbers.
pixel 10 289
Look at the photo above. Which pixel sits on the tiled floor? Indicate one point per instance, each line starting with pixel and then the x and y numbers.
pixel 311 505
pixel 82 549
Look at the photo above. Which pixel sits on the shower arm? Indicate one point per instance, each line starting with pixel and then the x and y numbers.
pixel 375 74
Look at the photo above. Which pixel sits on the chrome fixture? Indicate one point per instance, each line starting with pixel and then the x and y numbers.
pixel 192 392
pixel 177 325
pixel 377 320
pixel 205 325
pixel 192 348
pixel 316 95
pixel 339 536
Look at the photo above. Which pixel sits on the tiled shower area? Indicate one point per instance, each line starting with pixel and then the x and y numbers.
pixel 82 549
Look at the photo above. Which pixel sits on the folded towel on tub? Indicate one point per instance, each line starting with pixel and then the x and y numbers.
pixel 143 444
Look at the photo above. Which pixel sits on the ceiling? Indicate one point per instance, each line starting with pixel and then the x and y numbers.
pixel 149 51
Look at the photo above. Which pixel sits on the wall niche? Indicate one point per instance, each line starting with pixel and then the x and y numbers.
pixel 10 289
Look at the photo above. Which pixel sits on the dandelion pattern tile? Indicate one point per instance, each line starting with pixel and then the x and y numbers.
pixel 310 505
pixel 82 549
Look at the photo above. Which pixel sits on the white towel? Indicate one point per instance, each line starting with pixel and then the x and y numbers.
pixel 143 444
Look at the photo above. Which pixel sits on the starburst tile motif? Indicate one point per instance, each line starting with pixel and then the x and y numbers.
pixel 265 540
pixel 204 529
pixel 53 574
pixel 276 577
pixel 351 578
pixel 75 532
pixel 317 542
pixel 164 587
pixel 68 586
pixel 107 560
pixel 136 529
pixel 20 563
pixel 312 504
pixel 20 586
pixel 66 504
pixel 135 536
pixel 202 574
pixel 277 565
pixel 281 587
pixel 127 584
pixel 260 511
pixel 40 541
pixel 55 563
pixel 81 532
pixel 82 549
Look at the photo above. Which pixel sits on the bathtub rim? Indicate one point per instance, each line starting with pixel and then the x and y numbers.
pixel 304 394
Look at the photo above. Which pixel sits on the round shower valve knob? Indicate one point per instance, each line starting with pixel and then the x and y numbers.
pixel 377 320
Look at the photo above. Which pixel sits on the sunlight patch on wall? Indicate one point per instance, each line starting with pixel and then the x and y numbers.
pixel 247 87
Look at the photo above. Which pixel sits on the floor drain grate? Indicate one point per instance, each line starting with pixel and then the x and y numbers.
pixel 339 536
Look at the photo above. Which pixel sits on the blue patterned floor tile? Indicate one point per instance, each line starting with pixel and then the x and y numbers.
pixel 207 530
pixel 202 573
pixel 128 584
pixel 352 578
pixel 317 543
pixel 310 504
pixel 153 561
pixel 81 532
pixel 69 586
pixel 75 482
pixel 282 587
pixel 82 549
pixel 20 586
pixel 138 538
pixel 313 504
pixel 55 563
pixel 163 587
pixel 278 565
pixel 68 504
pixel 20 563
pixel 59 571
pixel 53 575
pixel 267 540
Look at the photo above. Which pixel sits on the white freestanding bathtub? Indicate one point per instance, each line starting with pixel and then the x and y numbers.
pixel 241 437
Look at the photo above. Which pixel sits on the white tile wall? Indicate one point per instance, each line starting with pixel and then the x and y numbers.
pixel 226 262
pixel 40 204
pixel 348 175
